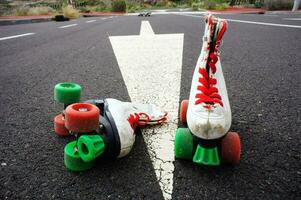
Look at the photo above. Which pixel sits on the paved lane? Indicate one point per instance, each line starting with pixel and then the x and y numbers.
pixel 261 67
pixel 261 70
pixel 32 154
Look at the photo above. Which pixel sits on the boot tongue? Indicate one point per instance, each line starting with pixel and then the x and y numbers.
pixel 90 147
pixel 206 156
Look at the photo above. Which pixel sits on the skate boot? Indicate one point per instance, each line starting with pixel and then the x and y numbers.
pixel 207 112
pixel 119 120
pixel 115 134
pixel 103 128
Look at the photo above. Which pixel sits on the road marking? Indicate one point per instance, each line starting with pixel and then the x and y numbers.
pixel 294 19
pixel 70 25
pixel 263 23
pixel 146 28
pixel 252 22
pixel 151 66
pixel 16 36
pixel 90 21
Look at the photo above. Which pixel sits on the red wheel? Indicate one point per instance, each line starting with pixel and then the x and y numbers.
pixel 231 148
pixel 82 117
pixel 59 126
pixel 183 110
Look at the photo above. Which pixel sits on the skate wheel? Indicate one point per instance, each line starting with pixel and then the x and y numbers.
pixel 231 148
pixel 82 117
pixel 183 144
pixel 90 147
pixel 67 93
pixel 183 110
pixel 59 126
pixel 72 159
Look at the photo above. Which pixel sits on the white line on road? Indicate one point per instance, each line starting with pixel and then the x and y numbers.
pixel 151 69
pixel 252 22
pixel 90 21
pixel 294 19
pixel 146 28
pixel 264 23
pixel 16 36
pixel 70 25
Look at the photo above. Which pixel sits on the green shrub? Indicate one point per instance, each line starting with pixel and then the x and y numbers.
pixel 258 4
pixel 84 9
pixel 70 12
pixel 166 4
pixel 21 11
pixel 160 4
pixel 197 6
pixel 210 5
pixel 96 3
pixel 40 11
pixel 171 4
pixel 101 8
pixel 5 8
pixel 118 6
pixel 133 7
pixel 83 3
pixel 278 4
pixel 190 2
pixel 221 6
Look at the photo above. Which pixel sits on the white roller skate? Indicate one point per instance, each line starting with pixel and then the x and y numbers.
pixel 118 122
pixel 103 128
pixel 207 112
pixel 111 136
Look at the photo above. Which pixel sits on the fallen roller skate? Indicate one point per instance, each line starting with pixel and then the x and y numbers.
pixel 103 128
pixel 207 112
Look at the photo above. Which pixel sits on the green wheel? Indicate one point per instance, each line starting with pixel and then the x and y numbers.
pixel 72 159
pixel 183 144
pixel 90 147
pixel 67 93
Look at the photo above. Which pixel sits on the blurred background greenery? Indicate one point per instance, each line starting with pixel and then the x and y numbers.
pixel 73 8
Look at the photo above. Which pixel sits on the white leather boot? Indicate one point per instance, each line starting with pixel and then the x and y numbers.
pixel 118 122
pixel 209 113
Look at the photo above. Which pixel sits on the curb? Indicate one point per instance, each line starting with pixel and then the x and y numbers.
pixel 219 12
pixel 4 22
pixel 101 14
pixel 234 10
pixel 284 12
pixel 27 20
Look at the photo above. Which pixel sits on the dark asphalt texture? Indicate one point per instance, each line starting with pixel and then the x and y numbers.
pixel 261 65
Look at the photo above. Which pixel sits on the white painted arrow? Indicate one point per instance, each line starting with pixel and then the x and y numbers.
pixel 151 66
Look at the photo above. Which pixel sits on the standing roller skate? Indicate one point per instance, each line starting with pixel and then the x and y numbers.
pixel 102 128
pixel 207 112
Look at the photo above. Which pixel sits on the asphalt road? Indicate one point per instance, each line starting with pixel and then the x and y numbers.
pixel 261 65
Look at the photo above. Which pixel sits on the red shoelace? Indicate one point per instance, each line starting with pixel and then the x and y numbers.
pixel 208 92
pixel 143 119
